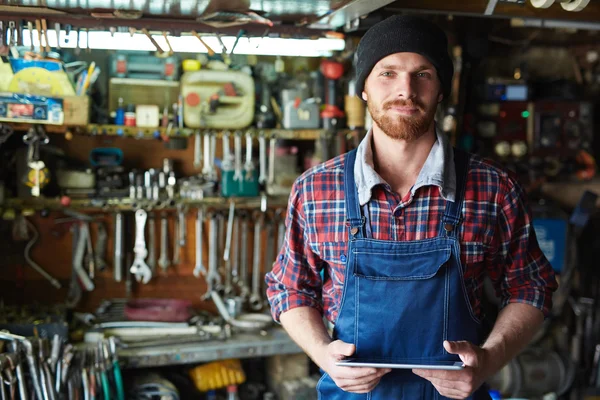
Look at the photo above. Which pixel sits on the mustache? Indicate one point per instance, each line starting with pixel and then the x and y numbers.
pixel 402 103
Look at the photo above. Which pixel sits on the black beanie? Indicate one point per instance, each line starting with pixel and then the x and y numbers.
pixel 399 34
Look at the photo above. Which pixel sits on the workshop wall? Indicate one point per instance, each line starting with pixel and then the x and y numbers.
pixel 53 251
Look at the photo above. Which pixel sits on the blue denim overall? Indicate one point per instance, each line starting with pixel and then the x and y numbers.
pixel 401 300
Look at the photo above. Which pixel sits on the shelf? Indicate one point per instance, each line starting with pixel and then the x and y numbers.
pixel 129 205
pixel 242 345
pixel 156 133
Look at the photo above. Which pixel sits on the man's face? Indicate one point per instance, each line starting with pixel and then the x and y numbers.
pixel 402 92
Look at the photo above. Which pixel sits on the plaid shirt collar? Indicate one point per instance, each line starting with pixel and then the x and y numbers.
pixel 438 169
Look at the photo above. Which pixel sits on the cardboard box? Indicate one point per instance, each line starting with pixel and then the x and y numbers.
pixel 76 110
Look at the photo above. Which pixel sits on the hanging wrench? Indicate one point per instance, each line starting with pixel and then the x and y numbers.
pixel 272 146
pixel 255 298
pixel 235 248
pixel 151 242
pixel 243 281
pixel 280 213
pixel 181 215
pixel 237 140
pixel 175 241
pixel 249 165
pixel 139 267
pixel 262 158
pixel 197 150
pixel 100 251
pixel 163 261
pixel 118 260
pixel 213 150
pixel 227 164
pixel 206 169
pixel 227 253
pixel 213 279
pixel 199 267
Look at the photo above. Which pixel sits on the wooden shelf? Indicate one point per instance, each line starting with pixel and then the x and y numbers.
pixel 127 204
pixel 155 133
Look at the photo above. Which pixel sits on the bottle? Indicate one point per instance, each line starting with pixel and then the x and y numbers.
pixel 130 115
pixel 232 392
pixel 120 113
pixel 211 395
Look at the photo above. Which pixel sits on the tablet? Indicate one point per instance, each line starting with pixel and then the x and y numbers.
pixel 365 362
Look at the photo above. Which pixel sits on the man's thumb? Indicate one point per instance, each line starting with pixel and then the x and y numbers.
pixel 341 349
pixel 464 350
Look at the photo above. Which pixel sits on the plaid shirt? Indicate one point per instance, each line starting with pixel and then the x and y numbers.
pixel 496 234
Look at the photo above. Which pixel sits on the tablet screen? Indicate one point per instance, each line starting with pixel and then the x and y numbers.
pixel 365 362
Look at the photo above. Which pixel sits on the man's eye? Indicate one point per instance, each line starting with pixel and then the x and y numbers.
pixel 423 74
pixel 387 73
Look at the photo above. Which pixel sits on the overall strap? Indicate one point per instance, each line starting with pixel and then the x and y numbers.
pixel 452 214
pixel 355 221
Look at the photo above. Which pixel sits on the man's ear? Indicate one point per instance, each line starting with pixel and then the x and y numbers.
pixel 364 96
pixel 440 97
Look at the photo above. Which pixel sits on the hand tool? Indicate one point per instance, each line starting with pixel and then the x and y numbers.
pixel 227 163
pixel 77 47
pixel 235 248
pixel 118 379
pixel 171 182
pixel 213 279
pixel 57 31
pixel 12 360
pixel 53 281
pixel 15 348
pixel 151 242
pixel 163 261
pixel 237 140
pixel 29 345
pixel 100 251
pixel 44 372
pixel 65 365
pixel 132 190
pixel 280 213
pixel 176 232
pixel 90 252
pixel 30 29
pixel 270 245
pixel 206 169
pixel 199 267
pixel 3 365
pixel 103 367
pixel 45 29
pixel 75 291
pixel 213 151
pixel 139 267
pixel 272 146
pixel 85 383
pixel 55 353
pixel 243 281
pixel 148 184
pixel 139 186
pixel 249 165
pixel 248 322
pixel 118 259
pixel 84 233
pixel 262 158
pixel 227 253
pixel 38 28
pixel 255 297
pixel 197 150
pixel 181 215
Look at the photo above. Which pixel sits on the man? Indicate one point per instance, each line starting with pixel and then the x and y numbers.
pixel 404 231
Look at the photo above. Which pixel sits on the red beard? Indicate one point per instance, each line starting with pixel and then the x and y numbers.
pixel 402 127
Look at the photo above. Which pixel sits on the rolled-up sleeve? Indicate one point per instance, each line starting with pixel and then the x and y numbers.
pixel 520 271
pixel 295 280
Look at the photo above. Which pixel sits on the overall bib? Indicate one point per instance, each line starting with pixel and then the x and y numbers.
pixel 401 300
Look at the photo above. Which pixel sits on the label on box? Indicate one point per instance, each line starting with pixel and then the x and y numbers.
pixel 24 108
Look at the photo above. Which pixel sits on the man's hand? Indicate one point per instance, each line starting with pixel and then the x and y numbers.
pixel 350 379
pixel 459 384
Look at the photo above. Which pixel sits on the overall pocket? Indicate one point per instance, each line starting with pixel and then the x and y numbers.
pixel 402 304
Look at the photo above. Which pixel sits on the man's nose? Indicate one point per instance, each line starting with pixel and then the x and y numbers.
pixel 404 86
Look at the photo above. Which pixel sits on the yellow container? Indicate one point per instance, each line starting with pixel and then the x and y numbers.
pixel 190 65
pixel 217 375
